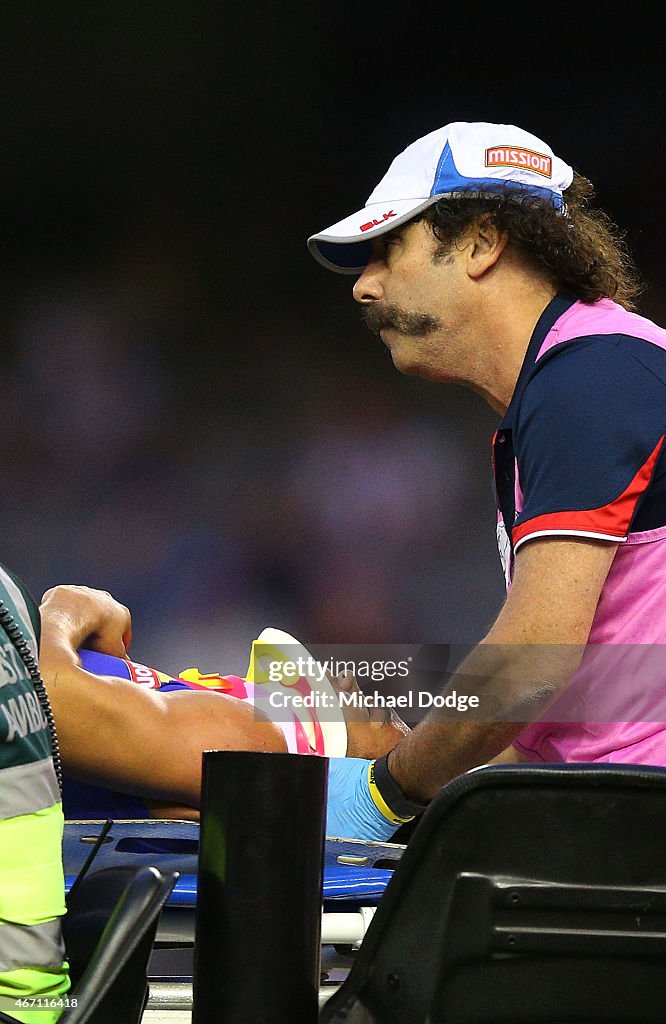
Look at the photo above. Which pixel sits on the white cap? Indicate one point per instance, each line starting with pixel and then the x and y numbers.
pixel 461 157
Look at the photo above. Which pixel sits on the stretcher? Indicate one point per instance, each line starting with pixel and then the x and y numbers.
pixel 355 877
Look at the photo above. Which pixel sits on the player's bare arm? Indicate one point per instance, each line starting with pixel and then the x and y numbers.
pixel 518 670
pixel 132 739
pixel 124 736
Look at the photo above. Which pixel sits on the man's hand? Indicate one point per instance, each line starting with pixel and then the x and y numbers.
pixel 524 663
pixel 74 617
pixel 371 732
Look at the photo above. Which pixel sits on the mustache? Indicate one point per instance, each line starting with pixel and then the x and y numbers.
pixel 379 315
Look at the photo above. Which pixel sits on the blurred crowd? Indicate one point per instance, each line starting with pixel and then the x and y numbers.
pixel 264 482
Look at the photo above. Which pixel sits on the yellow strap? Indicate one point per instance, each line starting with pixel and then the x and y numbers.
pixel 195 675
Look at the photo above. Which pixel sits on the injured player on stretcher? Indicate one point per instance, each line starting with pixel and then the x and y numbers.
pixel 131 737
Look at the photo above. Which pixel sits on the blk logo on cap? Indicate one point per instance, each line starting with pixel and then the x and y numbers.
pixel 377 221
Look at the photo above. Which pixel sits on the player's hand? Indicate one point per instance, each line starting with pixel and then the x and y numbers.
pixel 74 617
pixel 352 812
pixel 371 732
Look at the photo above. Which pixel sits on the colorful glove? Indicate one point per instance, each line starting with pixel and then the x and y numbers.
pixel 364 802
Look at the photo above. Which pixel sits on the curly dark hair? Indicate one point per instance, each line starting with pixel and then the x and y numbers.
pixel 581 249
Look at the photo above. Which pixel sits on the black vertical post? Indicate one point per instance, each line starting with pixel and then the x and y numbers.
pixel 259 890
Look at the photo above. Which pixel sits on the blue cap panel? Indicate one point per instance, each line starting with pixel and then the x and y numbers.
pixel 449 179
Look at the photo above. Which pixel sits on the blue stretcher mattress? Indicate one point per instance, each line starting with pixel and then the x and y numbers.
pixel 354 871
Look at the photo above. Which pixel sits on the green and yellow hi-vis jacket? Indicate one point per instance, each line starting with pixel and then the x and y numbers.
pixel 33 973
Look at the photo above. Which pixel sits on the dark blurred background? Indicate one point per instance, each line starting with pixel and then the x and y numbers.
pixel 194 416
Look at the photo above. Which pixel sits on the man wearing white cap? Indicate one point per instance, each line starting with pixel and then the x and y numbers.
pixel 482 262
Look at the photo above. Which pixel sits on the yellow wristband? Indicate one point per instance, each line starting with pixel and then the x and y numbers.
pixel 380 802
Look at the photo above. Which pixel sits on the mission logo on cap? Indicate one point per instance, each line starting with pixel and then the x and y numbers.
pixel 462 157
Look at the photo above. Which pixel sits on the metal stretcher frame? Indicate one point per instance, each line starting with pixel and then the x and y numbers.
pixel 355 877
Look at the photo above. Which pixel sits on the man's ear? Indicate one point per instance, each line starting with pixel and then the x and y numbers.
pixel 487 243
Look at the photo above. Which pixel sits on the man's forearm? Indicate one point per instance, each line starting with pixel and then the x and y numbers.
pixel 56 650
pixel 514 684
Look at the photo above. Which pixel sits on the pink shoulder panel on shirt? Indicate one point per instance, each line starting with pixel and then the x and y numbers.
pixel 611 521
pixel 602 317
pixel 630 614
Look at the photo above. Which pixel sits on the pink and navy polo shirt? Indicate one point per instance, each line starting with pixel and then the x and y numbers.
pixel 581 452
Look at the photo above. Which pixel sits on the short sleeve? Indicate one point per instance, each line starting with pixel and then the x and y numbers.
pixel 589 438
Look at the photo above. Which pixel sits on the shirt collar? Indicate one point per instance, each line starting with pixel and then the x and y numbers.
pixel 553 311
